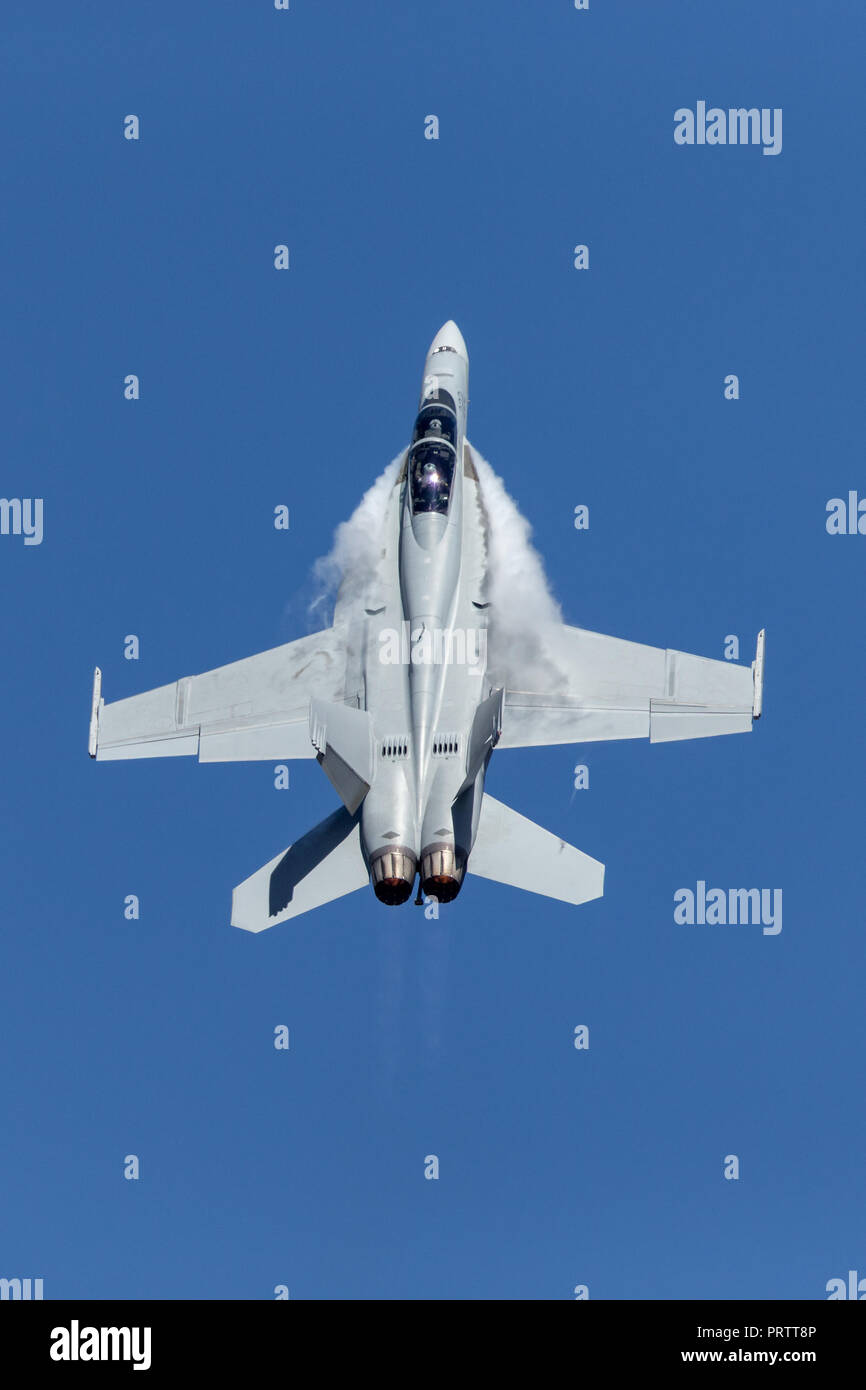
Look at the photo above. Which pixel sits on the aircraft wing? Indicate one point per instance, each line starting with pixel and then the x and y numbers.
pixel 253 709
pixel 618 690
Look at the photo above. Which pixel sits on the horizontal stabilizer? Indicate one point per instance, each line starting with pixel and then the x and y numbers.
pixel 324 864
pixel 511 849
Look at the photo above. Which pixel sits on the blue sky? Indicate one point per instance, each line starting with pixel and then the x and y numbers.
pixel 602 387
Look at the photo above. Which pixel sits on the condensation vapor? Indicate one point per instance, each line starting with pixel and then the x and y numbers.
pixel 524 616
pixel 350 565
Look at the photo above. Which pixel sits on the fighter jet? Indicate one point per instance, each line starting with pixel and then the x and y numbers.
pixel 398 703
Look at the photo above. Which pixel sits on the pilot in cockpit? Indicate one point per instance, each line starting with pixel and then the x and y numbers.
pixel 431 469
pixel 429 480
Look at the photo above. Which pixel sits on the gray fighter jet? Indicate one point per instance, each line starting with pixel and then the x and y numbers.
pixel 398 704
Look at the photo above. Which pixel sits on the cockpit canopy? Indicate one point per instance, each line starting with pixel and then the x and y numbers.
pixel 433 455
pixel 437 419
pixel 431 473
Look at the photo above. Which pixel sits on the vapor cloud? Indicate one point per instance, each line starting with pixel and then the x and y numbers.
pixel 524 616
pixel 350 565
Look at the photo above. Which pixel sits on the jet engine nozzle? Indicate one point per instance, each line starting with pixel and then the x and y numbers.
pixel 393 874
pixel 442 870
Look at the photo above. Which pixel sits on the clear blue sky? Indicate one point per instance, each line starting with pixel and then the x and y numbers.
pixel 604 387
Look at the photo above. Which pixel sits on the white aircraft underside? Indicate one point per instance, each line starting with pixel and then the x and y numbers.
pixel 405 728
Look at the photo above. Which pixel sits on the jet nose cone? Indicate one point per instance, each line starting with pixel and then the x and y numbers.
pixel 449 336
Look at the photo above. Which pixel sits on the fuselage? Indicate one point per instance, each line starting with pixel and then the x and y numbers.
pixel 423 653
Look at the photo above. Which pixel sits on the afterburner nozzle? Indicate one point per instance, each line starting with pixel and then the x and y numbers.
pixel 392 872
pixel 442 871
